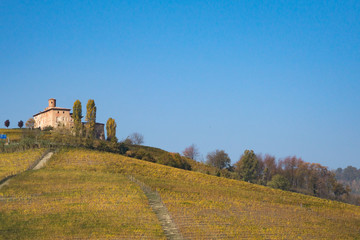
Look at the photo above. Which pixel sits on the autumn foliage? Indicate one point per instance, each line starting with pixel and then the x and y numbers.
pixel 202 206
pixel 111 129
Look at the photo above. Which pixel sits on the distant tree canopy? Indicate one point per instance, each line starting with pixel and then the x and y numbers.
pixel 20 124
pixel 268 167
pixel 77 115
pixel 349 173
pixel 350 176
pixel 7 123
pixel 111 129
pixel 90 118
pixel 309 178
pixel 218 159
pixel 248 166
pixel 191 152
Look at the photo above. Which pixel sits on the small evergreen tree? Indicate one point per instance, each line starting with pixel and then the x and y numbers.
pixel 247 166
pixel 7 123
pixel 20 124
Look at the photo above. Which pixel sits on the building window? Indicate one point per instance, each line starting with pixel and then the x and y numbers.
pixel 58 111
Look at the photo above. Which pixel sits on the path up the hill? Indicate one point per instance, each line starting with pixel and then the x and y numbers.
pixel 160 210
pixel 43 161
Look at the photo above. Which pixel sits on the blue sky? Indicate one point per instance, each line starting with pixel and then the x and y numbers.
pixel 278 77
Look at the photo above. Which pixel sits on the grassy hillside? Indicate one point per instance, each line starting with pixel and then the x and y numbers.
pixel 13 163
pixel 86 194
pixel 54 203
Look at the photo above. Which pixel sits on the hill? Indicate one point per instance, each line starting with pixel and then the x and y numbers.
pixel 88 194
pixel 63 203
pixel 158 155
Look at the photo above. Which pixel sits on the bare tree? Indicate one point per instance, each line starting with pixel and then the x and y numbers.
pixel 270 167
pixel 191 152
pixel 136 138
pixel 30 123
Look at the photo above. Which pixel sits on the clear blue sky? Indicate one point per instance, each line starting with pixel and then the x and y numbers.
pixel 278 77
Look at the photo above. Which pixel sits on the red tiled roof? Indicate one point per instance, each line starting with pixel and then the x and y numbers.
pixel 54 108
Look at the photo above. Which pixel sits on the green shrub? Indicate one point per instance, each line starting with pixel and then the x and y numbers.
pixel 174 160
pixel 279 182
pixel 48 128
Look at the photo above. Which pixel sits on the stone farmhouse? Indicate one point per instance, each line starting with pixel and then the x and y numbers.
pixel 55 117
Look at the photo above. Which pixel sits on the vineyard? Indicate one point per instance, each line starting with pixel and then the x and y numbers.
pixel 13 134
pixel 14 163
pixel 87 194
pixel 62 204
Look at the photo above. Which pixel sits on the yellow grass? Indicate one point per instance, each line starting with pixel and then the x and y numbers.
pixel 13 163
pixel 206 206
pixel 56 204
pixel 81 190
pixel 13 134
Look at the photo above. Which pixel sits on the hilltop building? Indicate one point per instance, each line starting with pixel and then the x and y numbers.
pixel 54 116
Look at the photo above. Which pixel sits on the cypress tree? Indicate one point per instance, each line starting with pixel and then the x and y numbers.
pixel 77 115
pixel 111 129
pixel 90 118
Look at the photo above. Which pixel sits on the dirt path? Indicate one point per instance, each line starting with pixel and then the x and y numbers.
pixel 160 210
pixel 43 161
pixel 37 166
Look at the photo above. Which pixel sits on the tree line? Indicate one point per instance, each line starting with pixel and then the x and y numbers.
pixel 290 173
pixel 88 129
